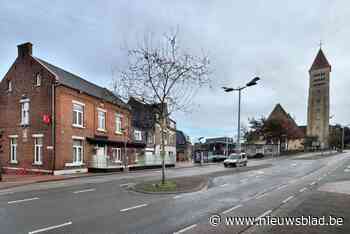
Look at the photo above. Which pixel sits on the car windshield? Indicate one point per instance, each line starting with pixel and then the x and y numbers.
pixel 234 156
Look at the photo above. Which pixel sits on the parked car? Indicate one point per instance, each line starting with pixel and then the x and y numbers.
pixel 235 160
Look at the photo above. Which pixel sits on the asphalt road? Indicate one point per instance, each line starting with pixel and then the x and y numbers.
pixel 103 204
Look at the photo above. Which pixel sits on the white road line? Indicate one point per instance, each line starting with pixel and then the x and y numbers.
pixel 302 190
pixel 133 207
pixel 85 190
pixel 23 200
pixel 123 185
pixel 292 181
pixel 313 183
pixel 294 164
pixel 286 200
pixel 281 187
pixel 260 196
pixel 223 185
pixel 186 229
pixel 264 214
pixel 231 209
pixel 50 228
pixel 177 196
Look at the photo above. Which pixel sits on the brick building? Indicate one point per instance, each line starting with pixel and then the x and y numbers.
pixel 57 122
pixel 144 121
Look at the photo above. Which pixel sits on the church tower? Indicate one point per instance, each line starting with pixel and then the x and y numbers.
pixel 318 103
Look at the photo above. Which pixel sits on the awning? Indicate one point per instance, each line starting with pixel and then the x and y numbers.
pixel 119 144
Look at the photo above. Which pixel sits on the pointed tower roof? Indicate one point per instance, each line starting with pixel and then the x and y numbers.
pixel 320 61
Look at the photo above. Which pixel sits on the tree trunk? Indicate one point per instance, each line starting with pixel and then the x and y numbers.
pixel 162 128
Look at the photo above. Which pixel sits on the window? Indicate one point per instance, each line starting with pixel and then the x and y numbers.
pixel 149 138
pixel 38 80
pixel 9 86
pixel 13 150
pixel 138 135
pixel 77 152
pixel 24 111
pixel 117 154
pixel 78 115
pixel 38 150
pixel 118 123
pixel 101 120
pixel 171 155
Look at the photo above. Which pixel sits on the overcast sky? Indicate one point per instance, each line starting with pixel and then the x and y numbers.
pixel 276 40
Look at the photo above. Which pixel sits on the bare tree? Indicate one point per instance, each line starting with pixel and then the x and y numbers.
pixel 165 76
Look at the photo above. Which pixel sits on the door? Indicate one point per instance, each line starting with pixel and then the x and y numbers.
pixel 101 150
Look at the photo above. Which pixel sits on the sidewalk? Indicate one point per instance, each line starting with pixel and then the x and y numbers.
pixel 14 180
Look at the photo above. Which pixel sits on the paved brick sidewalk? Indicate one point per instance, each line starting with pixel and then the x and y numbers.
pixel 14 180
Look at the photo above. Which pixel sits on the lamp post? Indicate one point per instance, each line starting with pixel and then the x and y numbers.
pixel 239 89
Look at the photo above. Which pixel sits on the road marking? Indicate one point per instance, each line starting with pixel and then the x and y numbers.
pixel 124 185
pixel 186 229
pixel 50 228
pixel 243 181
pixel 313 183
pixel 294 164
pixel 286 200
pixel 133 207
pixel 302 190
pixel 24 200
pixel 231 209
pixel 260 196
pixel 223 185
pixel 264 214
pixel 292 181
pixel 281 187
pixel 177 196
pixel 85 190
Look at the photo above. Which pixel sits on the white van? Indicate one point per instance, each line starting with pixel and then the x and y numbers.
pixel 235 160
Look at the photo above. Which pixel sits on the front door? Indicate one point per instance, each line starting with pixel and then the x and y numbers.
pixel 101 151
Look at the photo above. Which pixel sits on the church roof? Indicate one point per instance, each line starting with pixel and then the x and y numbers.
pixel 320 61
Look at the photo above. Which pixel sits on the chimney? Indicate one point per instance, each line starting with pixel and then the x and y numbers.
pixel 25 49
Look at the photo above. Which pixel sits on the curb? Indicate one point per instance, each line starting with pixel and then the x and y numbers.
pixel 202 186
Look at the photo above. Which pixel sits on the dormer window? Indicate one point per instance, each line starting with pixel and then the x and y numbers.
pixel 38 80
pixel 9 86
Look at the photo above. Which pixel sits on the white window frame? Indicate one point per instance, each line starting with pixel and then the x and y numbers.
pixel 25 113
pixel 118 123
pixel 117 154
pixel 99 121
pixel 38 80
pixel 138 135
pixel 38 149
pixel 9 86
pixel 76 122
pixel 13 149
pixel 75 151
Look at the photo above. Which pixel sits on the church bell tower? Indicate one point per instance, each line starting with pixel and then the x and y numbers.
pixel 318 102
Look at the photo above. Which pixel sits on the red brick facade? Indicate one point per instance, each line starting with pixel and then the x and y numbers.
pixel 56 101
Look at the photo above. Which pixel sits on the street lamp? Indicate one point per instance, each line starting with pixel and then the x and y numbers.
pixel 239 89
pixel 201 153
